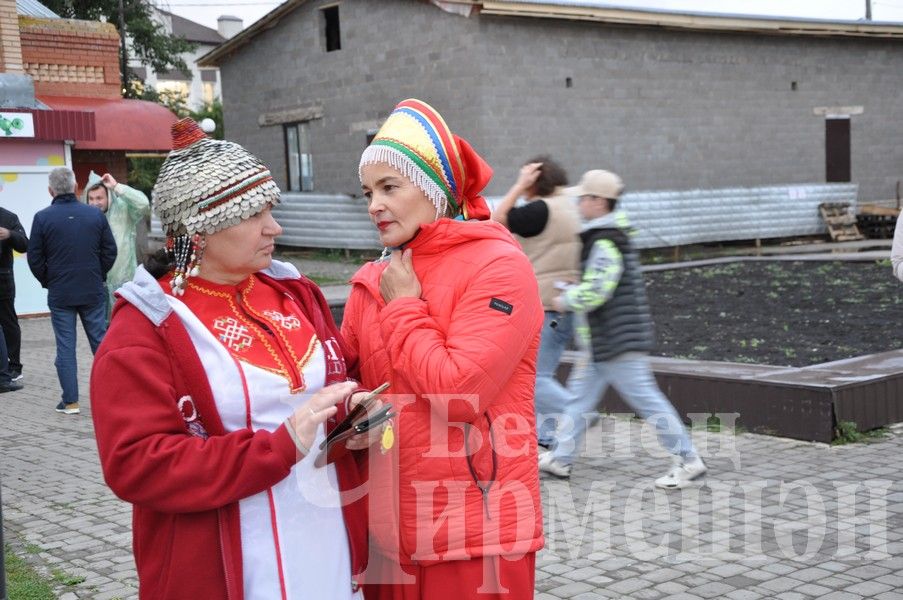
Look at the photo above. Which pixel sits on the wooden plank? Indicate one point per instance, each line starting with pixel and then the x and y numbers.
pixel 876 209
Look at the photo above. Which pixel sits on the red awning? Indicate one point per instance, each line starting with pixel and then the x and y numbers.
pixel 61 124
pixel 121 123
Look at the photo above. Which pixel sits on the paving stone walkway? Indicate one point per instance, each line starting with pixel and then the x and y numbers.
pixel 776 518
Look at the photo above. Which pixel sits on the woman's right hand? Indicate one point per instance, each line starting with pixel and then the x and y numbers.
pixel 322 405
pixel 528 175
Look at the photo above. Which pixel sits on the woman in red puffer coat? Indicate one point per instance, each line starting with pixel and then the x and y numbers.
pixel 451 319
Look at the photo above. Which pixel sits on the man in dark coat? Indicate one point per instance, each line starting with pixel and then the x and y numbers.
pixel 70 251
pixel 12 237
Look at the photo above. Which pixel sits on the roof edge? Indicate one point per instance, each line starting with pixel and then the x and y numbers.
pixel 620 16
pixel 694 21
pixel 212 58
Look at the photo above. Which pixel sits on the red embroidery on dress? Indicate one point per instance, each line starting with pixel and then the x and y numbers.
pixel 288 322
pixel 233 334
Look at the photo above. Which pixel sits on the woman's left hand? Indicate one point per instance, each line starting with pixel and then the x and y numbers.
pixel 363 441
pixel 399 279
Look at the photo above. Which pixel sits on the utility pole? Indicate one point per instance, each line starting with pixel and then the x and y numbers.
pixel 868 10
pixel 123 67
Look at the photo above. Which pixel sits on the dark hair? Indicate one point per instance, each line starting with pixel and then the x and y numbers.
pixel 97 185
pixel 159 263
pixel 551 176
pixel 163 261
pixel 612 203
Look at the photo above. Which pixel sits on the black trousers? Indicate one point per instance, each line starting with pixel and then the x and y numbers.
pixel 9 322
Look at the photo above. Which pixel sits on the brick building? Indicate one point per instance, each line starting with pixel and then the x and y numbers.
pixel 75 66
pixel 669 100
pixel 60 105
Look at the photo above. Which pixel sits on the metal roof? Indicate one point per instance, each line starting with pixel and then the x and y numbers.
pixel 594 4
pixel 33 8
pixel 193 32
pixel 602 12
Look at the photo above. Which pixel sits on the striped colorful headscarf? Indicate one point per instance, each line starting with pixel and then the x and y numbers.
pixel 416 141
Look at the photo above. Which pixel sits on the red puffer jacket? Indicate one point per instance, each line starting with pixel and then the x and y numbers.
pixel 461 360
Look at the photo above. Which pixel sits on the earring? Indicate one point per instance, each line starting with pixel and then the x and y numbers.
pixel 198 244
pixel 180 247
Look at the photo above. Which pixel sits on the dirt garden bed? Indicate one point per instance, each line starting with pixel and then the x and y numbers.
pixel 777 313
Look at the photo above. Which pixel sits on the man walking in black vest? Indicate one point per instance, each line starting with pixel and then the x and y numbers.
pixel 12 237
pixel 612 294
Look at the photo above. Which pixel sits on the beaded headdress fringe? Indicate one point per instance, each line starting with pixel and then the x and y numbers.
pixel 376 153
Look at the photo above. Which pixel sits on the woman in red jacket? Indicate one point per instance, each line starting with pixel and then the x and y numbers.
pixel 451 320
pixel 209 391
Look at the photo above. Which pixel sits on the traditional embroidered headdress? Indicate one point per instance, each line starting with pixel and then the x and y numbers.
pixel 416 141
pixel 204 186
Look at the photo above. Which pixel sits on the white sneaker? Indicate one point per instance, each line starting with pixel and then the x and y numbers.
pixel 548 464
pixel 682 473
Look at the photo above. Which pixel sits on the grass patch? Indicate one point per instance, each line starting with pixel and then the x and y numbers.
pixel 847 432
pixel 65 578
pixel 23 582
pixel 326 279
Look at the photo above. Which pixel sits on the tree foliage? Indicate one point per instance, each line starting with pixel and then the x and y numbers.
pixel 151 43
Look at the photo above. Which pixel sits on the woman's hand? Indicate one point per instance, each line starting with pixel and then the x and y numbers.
pixel 362 441
pixel 399 279
pixel 322 405
pixel 528 175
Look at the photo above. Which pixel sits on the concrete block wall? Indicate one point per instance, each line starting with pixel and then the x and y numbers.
pixel 666 109
pixel 686 110
pixel 391 50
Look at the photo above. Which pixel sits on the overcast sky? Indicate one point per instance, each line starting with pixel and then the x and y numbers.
pixel 207 11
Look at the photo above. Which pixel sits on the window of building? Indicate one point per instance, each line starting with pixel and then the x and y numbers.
pixel 173 88
pixel 331 30
pixel 208 85
pixel 297 153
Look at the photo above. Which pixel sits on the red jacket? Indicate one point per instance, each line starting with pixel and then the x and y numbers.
pixel 183 485
pixel 461 360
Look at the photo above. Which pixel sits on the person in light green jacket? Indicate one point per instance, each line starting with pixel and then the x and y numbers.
pixel 124 207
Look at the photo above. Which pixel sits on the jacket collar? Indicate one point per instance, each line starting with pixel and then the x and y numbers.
pixel 615 219
pixel 62 198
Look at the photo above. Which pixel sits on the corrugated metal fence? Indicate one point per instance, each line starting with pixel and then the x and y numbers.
pixel 663 218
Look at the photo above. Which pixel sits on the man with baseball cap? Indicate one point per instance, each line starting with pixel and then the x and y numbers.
pixel 612 294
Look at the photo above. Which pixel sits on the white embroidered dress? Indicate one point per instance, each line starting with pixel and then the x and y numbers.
pixel 293 539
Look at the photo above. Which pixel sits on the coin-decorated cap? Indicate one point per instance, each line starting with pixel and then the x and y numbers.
pixel 207 185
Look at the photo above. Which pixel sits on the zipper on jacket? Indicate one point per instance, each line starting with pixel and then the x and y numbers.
pixel 484 489
pixel 222 551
